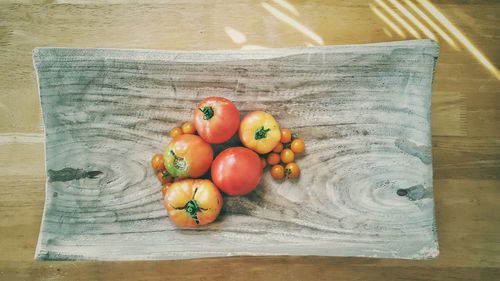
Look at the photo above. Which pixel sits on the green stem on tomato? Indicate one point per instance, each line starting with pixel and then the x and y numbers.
pixel 208 112
pixel 192 209
pixel 261 133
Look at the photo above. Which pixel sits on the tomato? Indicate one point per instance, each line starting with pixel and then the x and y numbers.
pixel 157 162
pixel 237 170
pixel 260 131
pixel 164 177
pixel 175 132
pixel 278 172
pixel 287 155
pixel 278 148
pixel 192 202
pixel 297 146
pixel 216 119
pixel 273 158
pixel 264 162
pixel 286 135
pixel 164 188
pixel 188 128
pixel 292 170
pixel 188 156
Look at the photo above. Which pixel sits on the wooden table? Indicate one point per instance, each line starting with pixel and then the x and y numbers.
pixel 465 117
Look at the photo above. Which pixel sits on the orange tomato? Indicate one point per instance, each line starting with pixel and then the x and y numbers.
pixel 164 188
pixel 278 172
pixel 286 135
pixel 260 132
pixel 273 158
pixel 297 146
pixel 164 177
pixel 175 132
pixel 193 202
pixel 292 170
pixel 287 155
pixel 157 162
pixel 188 156
pixel 188 128
pixel 278 148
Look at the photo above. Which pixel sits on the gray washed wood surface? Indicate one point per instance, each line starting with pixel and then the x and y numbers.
pixel 363 110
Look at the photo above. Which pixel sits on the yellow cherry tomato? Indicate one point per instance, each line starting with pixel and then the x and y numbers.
pixel 287 155
pixel 260 132
pixel 188 128
pixel 278 172
pixel 273 158
pixel 175 132
pixel 286 135
pixel 292 170
pixel 298 145
pixel 278 148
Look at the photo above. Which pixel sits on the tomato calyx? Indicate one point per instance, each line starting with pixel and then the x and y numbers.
pixel 287 172
pixel 261 133
pixel 179 162
pixel 192 208
pixel 164 174
pixel 208 112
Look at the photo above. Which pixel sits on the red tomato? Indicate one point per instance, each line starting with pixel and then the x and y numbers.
pixel 237 170
pixel 188 156
pixel 216 119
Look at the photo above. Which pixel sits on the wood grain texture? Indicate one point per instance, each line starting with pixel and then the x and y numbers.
pixel 466 193
pixel 364 112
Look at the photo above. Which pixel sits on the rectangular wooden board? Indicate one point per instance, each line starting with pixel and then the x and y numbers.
pixel 363 111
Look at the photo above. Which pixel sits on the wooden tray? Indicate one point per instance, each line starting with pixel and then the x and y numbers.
pixel 363 110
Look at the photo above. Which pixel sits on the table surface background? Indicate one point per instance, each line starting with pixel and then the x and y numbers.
pixel 465 122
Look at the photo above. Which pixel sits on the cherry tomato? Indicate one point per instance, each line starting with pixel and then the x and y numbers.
pixel 188 128
pixel 286 135
pixel 278 172
pixel 278 148
pixel 237 171
pixel 157 162
pixel 264 162
pixel 164 177
pixel 192 202
pixel 287 155
pixel 164 188
pixel 260 132
pixel 297 146
pixel 292 170
pixel 175 132
pixel 273 158
pixel 188 156
pixel 216 119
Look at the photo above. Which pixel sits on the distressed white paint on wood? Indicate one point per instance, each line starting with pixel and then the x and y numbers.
pixel 363 110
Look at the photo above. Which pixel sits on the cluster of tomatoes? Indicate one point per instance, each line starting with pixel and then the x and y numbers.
pixel 191 201
pixel 284 154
